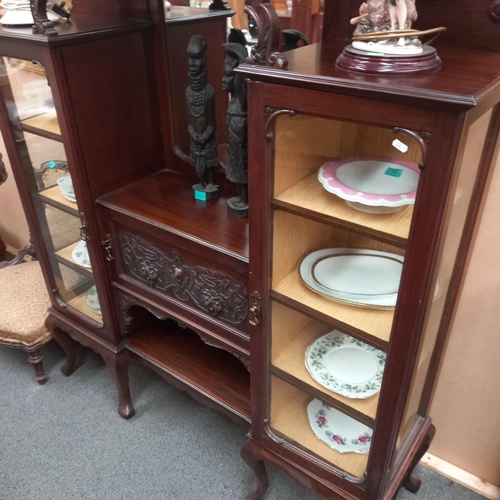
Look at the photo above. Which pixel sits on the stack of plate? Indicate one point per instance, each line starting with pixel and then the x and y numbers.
pixel 66 186
pixel 370 184
pixel 353 369
pixel 353 276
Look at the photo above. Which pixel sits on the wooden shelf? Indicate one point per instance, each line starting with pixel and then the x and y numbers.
pixel 53 197
pixel 370 325
pixel 65 257
pixel 290 366
pixel 166 200
pixel 289 419
pixel 310 199
pixel 201 368
pixel 80 304
pixel 45 125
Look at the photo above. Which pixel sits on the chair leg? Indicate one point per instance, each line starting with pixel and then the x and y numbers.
pixel 36 359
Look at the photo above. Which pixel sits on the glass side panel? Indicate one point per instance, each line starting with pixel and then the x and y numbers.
pixel 42 156
pixel 343 196
pixel 468 167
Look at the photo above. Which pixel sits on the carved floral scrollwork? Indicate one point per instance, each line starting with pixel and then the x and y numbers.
pixel 271 114
pixel 212 291
pixel 125 302
pixel 495 10
pixel 266 51
pixel 42 24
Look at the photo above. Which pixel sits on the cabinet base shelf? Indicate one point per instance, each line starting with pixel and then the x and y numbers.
pixel 210 375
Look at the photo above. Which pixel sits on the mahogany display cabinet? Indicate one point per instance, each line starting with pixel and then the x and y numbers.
pixel 302 118
pixel 78 118
pixel 89 117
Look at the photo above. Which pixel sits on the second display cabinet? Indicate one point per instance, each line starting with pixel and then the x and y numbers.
pixel 381 284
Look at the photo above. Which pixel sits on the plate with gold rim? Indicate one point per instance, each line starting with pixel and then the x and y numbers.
pixel 354 276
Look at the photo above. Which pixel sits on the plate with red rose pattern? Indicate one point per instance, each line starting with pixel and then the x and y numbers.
pixel 340 432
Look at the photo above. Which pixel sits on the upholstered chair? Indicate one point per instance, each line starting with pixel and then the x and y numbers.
pixel 23 308
pixel 23 304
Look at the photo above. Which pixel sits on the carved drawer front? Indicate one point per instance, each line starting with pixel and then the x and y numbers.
pixel 212 291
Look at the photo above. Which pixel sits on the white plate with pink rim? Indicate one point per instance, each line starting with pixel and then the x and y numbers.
pixel 340 432
pixel 372 184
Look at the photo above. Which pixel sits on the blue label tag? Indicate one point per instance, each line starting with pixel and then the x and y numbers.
pixel 394 172
pixel 51 164
pixel 200 195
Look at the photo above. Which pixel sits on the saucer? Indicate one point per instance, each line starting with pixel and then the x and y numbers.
pixel 81 254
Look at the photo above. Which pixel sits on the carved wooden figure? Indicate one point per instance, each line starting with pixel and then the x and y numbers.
pixel 236 128
pixel 42 26
pixel 201 121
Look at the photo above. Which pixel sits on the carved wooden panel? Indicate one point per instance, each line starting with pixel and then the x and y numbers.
pixel 212 291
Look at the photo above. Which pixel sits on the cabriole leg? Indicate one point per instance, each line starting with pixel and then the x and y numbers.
pixel 69 347
pixel 412 483
pixel 118 366
pixel 250 453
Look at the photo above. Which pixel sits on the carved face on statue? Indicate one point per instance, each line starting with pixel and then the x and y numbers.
pixel 235 55
pixel 197 52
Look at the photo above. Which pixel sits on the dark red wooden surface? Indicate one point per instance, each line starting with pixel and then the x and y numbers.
pixel 166 200
pixel 182 353
pixel 314 67
pixel 80 27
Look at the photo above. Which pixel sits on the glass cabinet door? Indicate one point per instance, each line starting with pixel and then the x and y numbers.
pixel 342 205
pixel 42 157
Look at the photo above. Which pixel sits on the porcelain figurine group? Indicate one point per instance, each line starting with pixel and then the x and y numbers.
pixel 200 97
pixel 379 16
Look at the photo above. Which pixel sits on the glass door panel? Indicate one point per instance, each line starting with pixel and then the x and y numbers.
pixel 42 156
pixel 342 207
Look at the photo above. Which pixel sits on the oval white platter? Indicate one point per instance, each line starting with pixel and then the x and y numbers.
pixel 80 254
pixel 371 184
pixel 354 276
pixel 346 365
pixel 340 432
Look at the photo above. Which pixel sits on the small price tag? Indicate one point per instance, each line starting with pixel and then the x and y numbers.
pixel 200 195
pixel 394 172
pixel 400 146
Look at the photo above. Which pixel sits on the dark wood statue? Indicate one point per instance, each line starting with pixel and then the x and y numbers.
pixel 236 128
pixel 201 121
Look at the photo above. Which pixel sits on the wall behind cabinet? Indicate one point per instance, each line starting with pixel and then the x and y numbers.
pixel 466 404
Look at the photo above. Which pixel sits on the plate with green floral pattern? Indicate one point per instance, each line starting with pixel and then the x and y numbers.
pixel 346 365
pixel 340 432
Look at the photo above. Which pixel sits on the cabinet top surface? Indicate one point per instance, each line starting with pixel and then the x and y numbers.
pixel 79 26
pixel 465 79
pixel 166 200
